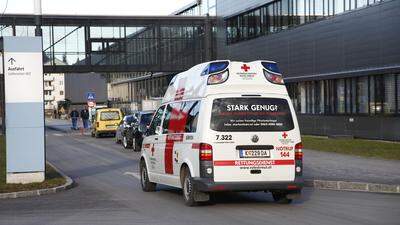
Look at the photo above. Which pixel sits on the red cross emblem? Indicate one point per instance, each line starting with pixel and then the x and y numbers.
pixel 245 67
pixel 284 135
pixel 152 150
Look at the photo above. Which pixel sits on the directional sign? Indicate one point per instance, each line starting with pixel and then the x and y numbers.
pixel 90 96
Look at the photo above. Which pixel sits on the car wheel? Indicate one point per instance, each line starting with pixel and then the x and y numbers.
pixel 147 186
pixel 97 135
pixel 93 135
pixel 281 197
pixel 188 189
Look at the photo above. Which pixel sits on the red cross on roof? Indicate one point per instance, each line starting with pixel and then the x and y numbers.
pixel 245 67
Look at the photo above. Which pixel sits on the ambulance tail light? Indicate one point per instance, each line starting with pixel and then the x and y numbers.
pixel 273 77
pixel 298 151
pixel 206 160
pixel 205 152
pixel 298 156
pixel 218 78
pixel 97 124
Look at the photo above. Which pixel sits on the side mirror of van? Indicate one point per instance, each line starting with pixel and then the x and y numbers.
pixel 158 130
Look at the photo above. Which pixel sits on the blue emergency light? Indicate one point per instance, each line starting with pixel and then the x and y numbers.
pixel 271 67
pixel 215 67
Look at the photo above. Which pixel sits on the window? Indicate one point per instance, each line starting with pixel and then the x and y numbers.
pixel 156 121
pixel 181 117
pixel 61 92
pixel 389 101
pixel 167 117
pixel 251 114
pixel 362 94
pixel 340 97
pixel 109 115
pixel 373 95
pixel 281 14
pixel 191 109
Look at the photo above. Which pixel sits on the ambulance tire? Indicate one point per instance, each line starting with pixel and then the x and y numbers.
pixel 147 186
pixel 188 189
pixel 281 197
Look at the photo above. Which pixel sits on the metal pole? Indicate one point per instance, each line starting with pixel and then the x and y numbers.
pixel 38 17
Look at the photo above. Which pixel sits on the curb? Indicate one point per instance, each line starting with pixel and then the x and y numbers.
pixel 353 186
pixel 68 184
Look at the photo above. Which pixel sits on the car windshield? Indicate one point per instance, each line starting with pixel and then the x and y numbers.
pixel 145 119
pixel 109 115
pixel 251 114
pixel 130 119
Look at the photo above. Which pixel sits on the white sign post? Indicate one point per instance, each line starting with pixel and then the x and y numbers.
pixel 24 109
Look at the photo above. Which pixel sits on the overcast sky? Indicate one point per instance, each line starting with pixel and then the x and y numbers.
pixel 96 7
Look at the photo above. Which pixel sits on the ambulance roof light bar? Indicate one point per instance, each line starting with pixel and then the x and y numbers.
pixel 272 73
pixel 215 67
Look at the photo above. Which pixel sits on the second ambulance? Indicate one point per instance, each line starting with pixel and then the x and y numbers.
pixel 225 126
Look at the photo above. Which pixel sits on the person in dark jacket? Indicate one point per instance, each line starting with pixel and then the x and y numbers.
pixel 85 117
pixel 74 118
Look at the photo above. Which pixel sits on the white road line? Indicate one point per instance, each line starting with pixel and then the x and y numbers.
pixel 57 134
pixel 133 174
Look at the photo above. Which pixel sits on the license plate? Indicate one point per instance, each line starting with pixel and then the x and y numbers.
pixel 254 153
pixel 110 126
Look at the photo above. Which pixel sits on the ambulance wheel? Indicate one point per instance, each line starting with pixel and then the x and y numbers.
pixel 147 186
pixel 281 197
pixel 92 134
pixel 188 189
pixel 126 143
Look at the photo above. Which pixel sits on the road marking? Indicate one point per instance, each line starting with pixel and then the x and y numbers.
pixel 133 174
pixel 57 134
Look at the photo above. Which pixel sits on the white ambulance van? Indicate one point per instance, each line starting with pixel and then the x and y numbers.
pixel 225 126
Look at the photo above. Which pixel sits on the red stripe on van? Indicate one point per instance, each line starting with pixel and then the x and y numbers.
pixel 253 162
pixel 176 125
pixel 196 146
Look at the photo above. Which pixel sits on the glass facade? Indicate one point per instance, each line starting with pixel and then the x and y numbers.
pixel 366 95
pixel 200 9
pixel 2 106
pixel 283 14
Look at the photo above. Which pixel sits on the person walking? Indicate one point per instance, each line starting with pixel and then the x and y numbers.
pixel 85 117
pixel 74 118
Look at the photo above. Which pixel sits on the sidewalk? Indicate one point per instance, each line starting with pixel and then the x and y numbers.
pixel 322 165
pixel 335 167
pixel 63 126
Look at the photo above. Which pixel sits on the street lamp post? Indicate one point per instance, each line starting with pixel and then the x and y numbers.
pixel 38 17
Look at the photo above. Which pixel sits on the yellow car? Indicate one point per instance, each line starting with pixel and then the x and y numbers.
pixel 106 121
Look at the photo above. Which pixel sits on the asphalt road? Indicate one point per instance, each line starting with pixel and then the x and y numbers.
pixel 108 192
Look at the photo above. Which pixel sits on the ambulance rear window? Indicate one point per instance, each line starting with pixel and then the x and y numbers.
pixel 251 114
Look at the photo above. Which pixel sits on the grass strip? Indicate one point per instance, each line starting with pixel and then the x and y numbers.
pixel 357 147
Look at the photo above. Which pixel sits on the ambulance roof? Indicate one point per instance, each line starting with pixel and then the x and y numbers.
pixel 243 78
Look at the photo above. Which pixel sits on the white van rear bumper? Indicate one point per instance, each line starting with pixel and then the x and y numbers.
pixel 208 185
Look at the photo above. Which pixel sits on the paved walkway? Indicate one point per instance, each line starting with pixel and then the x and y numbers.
pixel 333 166
pixel 322 165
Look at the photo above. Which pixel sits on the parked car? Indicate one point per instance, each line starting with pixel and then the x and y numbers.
pixel 106 121
pixel 126 123
pixel 135 133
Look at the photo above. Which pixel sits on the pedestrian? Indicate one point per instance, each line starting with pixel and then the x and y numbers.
pixel 85 117
pixel 74 118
